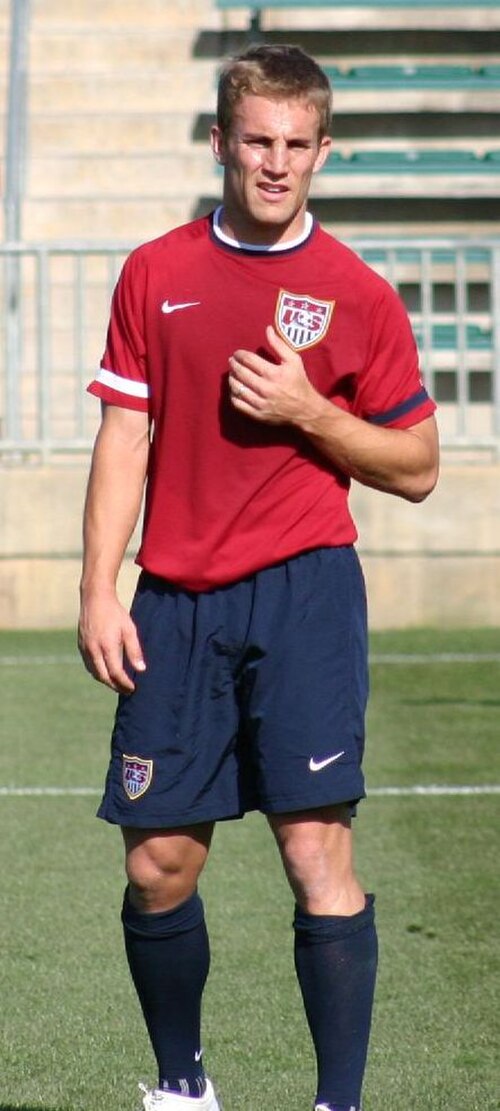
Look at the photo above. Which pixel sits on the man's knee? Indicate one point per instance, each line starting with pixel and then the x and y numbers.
pixel 163 866
pixel 316 849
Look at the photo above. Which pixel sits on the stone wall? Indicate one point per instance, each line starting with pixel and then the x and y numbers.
pixel 432 564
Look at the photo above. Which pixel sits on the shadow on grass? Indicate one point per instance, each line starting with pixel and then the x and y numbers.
pixel 28 1107
pixel 447 702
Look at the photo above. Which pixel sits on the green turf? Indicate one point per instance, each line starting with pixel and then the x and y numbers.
pixel 72 1037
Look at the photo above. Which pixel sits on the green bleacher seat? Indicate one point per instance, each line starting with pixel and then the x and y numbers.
pixel 413 161
pixel 413 255
pixel 445 76
pixel 418 158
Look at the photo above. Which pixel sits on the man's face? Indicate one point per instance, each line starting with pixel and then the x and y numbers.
pixel 269 155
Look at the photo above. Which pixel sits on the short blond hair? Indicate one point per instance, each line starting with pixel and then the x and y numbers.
pixel 278 72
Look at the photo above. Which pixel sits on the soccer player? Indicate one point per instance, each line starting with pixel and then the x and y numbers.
pixel 253 366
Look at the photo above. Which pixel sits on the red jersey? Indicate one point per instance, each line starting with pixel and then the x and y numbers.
pixel 227 495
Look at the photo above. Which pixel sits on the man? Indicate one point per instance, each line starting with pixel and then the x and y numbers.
pixel 253 366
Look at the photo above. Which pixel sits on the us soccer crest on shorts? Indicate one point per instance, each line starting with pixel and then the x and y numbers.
pixel 302 321
pixel 137 776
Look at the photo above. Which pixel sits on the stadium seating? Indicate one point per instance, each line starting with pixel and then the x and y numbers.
pixel 414 161
pixel 433 4
pixel 444 76
pixel 255 10
pixel 112 134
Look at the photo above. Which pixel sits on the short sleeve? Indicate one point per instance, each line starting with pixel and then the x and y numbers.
pixel 122 379
pixel 390 389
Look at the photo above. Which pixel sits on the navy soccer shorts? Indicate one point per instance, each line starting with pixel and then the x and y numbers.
pixel 253 697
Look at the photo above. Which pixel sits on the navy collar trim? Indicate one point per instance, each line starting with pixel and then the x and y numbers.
pixel 238 247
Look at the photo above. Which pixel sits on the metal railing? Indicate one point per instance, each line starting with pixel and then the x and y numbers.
pixel 56 302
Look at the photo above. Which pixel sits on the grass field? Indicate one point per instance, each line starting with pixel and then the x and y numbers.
pixel 72 1036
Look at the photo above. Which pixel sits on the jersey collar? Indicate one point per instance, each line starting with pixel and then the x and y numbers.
pixel 260 248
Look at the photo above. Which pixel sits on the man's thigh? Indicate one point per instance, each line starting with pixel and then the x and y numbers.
pixel 307 693
pixel 174 752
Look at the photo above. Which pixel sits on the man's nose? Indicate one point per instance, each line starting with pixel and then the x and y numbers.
pixel 276 160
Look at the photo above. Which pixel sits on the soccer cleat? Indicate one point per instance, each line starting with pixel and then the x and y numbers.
pixel 155 1100
pixel 328 1107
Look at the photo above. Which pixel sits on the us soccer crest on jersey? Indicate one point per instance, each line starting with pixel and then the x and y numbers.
pixel 137 776
pixel 302 321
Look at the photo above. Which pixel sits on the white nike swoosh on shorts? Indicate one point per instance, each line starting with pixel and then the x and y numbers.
pixel 318 765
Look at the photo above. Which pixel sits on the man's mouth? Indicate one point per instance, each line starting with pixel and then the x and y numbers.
pixel 272 190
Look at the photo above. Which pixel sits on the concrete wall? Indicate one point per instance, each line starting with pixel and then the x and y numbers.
pixel 437 563
pixel 40 546
pixel 432 564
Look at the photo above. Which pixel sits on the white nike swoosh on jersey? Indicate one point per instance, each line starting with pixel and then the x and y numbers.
pixel 318 765
pixel 198 1055
pixel 167 307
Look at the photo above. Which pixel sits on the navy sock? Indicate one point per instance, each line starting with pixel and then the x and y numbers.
pixel 336 963
pixel 169 956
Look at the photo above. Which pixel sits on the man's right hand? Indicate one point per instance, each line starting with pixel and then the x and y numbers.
pixel 107 639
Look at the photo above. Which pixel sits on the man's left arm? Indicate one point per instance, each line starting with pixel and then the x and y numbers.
pixel 396 460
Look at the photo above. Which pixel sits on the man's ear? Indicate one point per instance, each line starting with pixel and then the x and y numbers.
pixel 217 144
pixel 325 147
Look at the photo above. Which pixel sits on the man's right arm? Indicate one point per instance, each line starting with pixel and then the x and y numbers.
pixel 106 632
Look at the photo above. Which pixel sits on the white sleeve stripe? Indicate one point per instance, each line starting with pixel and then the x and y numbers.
pixel 122 385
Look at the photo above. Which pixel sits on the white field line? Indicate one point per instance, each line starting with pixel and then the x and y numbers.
pixel 435 789
pixel 434 657
pixel 430 791
pixel 47 792
pixel 375 658
pixel 36 661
